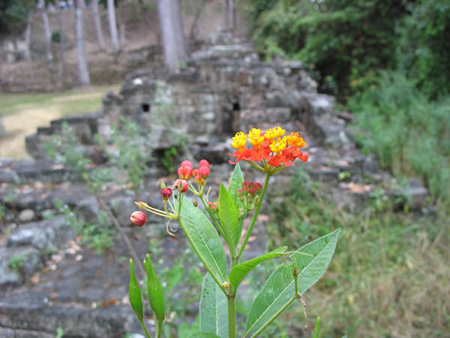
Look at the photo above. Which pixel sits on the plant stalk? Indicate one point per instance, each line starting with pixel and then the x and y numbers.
pixel 255 216
pixel 231 316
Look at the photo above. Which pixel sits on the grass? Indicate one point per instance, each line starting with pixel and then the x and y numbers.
pixel 23 113
pixel 75 101
pixel 390 275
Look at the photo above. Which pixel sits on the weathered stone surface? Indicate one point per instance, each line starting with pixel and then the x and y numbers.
pixel 48 235
pixel 27 261
pixel 33 311
pixel 87 209
pixel 123 206
pixel 8 176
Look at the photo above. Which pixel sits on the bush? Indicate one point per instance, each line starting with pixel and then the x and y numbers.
pixel 409 133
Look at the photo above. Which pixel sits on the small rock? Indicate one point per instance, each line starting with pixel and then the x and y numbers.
pixel 26 216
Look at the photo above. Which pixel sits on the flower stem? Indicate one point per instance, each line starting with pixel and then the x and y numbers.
pixel 141 321
pixel 231 316
pixel 255 216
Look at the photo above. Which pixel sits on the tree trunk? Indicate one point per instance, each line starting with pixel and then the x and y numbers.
pixel 98 26
pixel 27 54
pixel 122 28
pixel 60 51
pixel 230 14
pixel 112 26
pixel 83 72
pixel 194 31
pixel 172 33
pixel 48 32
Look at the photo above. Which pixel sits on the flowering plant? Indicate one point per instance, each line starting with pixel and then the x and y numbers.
pixel 269 152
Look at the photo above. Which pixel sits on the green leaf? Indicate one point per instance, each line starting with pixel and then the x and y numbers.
pixel 313 265
pixel 213 309
pixel 155 291
pixel 279 291
pixel 134 294
pixel 277 294
pixel 235 185
pixel 239 272
pixel 204 239
pixel 229 220
pixel 204 335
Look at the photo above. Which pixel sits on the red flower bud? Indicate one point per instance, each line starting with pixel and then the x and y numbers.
pixel 203 163
pixel 138 218
pixel 166 193
pixel 187 164
pixel 184 173
pixel 199 180
pixel 304 157
pixel 182 185
pixel 204 172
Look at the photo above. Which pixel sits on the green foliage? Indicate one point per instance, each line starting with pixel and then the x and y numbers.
pixel 387 268
pixel 13 15
pixel 213 309
pixel 56 36
pixel 229 220
pixel 129 152
pixel 205 240
pixel 96 236
pixel 409 133
pixel 168 158
pixel 281 289
pixel 16 262
pixel 424 46
pixel 344 40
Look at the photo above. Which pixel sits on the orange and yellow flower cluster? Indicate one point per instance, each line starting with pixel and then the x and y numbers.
pixel 271 147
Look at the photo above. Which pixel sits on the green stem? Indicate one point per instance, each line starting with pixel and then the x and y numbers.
pixel 255 216
pixel 141 321
pixel 231 316
pixel 158 328
pixel 211 215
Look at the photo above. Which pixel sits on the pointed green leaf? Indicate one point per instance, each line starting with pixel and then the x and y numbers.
pixel 229 220
pixel 213 309
pixel 279 291
pixel 204 239
pixel 155 291
pixel 235 185
pixel 313 265
pixel 277 294
pixel 134 294
pixel 239 272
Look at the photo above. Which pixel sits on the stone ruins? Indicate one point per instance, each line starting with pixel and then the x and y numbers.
pixel 222 89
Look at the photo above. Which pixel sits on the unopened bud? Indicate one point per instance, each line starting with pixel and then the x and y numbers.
pixel 187 164
pixel 184 173
pixel 203 163
pixel 195 203
pixel 166 193
pixel 138 218
pixel 182 185
pixel 204 172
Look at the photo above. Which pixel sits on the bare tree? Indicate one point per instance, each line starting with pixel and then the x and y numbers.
pixel 172 33
pixel 230 14
pixel 112 26
pixel 194 32
pixel 48 33
pixel 121 21
pixel 98 26
pixel 83 72
pixel 27 53
pixel 60 50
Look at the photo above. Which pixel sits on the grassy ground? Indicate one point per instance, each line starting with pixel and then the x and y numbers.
pixel 23 113
pixel 390 275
